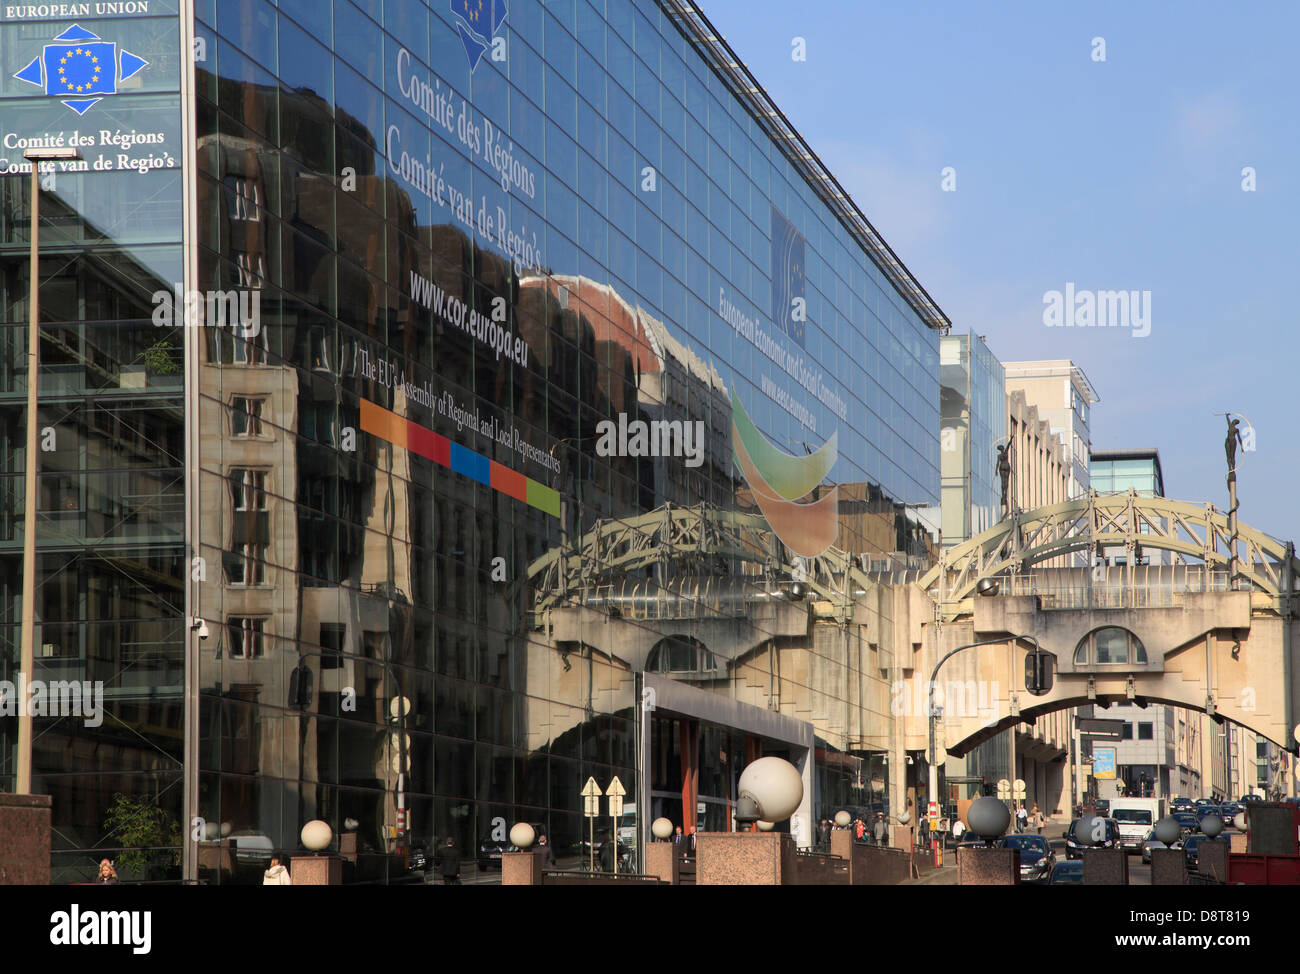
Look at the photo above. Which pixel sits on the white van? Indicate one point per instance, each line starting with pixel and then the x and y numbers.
pixel 1136 817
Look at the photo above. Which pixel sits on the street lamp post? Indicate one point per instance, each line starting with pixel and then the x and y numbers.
pixel 27 657
pixel 934 675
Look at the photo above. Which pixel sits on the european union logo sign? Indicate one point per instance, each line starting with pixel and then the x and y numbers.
pixel 789 299
pixel 82 68
pixel 476 22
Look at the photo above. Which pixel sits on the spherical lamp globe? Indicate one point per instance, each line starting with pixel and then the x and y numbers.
pixel 775 786
pixel 522 835
pixel 1239 820
pixel 316 835
pixel 988 817
pixel 766 826
pixel 1168 830
pixel 1212 825
pixel 662 829
pixel 842 819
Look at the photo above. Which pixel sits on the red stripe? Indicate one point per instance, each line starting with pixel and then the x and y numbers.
pixel 427 443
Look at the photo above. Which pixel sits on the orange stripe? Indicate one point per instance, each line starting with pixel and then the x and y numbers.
pixel 509 482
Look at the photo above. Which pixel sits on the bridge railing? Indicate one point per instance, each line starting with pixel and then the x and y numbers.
pixel 1136 587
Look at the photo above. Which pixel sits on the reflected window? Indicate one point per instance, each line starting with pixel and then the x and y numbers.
pixel 246 565
pixel 680 654
pixel 247 637
pixel 246 415
pixel 248 489
pixel 245 197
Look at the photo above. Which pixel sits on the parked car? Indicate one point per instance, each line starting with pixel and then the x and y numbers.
pixel 1036 856
pixel 418 858
pixel 1153 843
pixel 1205 810
pixel 1066 874
pixel 489 853
pixel 1074 846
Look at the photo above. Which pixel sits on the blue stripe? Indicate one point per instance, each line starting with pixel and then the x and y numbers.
pixel 471 464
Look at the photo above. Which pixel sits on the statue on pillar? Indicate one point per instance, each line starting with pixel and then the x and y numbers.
pixel 1004 472
pixel 1230 444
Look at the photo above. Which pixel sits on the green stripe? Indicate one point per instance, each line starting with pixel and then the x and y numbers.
pixel 790 476
pixel 543 498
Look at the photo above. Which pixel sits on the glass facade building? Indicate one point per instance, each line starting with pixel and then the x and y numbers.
pixel 452 403
pixel 973 414
pixel 1118 471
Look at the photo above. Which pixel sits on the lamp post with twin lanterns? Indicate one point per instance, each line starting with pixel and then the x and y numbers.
pixel 27 657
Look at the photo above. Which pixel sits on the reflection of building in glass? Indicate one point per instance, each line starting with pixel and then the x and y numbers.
pixel 393 486
pixel 973 415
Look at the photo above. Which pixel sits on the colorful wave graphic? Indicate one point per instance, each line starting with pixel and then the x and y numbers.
pixel 779 481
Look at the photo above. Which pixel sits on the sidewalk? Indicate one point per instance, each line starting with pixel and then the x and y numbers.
pixel 946 875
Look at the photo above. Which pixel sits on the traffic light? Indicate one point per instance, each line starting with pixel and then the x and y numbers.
pixel 1040 671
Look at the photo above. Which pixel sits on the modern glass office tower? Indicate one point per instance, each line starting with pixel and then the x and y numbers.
pixel 973 415
pixel 454 402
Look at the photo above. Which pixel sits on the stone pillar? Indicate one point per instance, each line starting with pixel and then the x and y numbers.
pixel 988 867
pixel 743 858
pixel 521 869
pixel 322 870
pixel 25 840
pixel 662 860
pixel 1105 867
pixel 1168 867
pixel 842 843
pixel 1238 842
pixel 1212 859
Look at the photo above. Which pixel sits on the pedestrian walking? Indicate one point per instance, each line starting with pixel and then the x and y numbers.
pixel 881 830
pixel 1037 819
pixel 859 828
pixel 276 874
pixel 449 854
pixel 1022 818
pixel 548 854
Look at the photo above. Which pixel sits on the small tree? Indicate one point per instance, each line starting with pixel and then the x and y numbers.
pixel 139 826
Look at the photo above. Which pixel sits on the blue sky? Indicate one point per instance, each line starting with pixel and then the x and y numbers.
pixel 1122 174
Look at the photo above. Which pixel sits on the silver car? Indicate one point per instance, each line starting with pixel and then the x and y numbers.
pixel 1151 842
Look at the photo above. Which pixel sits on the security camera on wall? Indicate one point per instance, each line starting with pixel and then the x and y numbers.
pixel 201 627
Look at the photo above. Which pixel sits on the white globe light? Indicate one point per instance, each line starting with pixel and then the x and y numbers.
pixel 766 826
pixel 775 785
pixel 226 829
pixel 1211 826
pixel 211 830
pixel 843 818
pixel 522 835
pixel 1239 820
pixel 316 835
pixel 661 828
pixel 351 824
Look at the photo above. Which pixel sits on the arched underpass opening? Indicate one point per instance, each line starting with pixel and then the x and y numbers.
pixel 1102 702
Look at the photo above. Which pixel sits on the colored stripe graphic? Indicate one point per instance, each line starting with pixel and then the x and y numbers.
pixel 388 426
